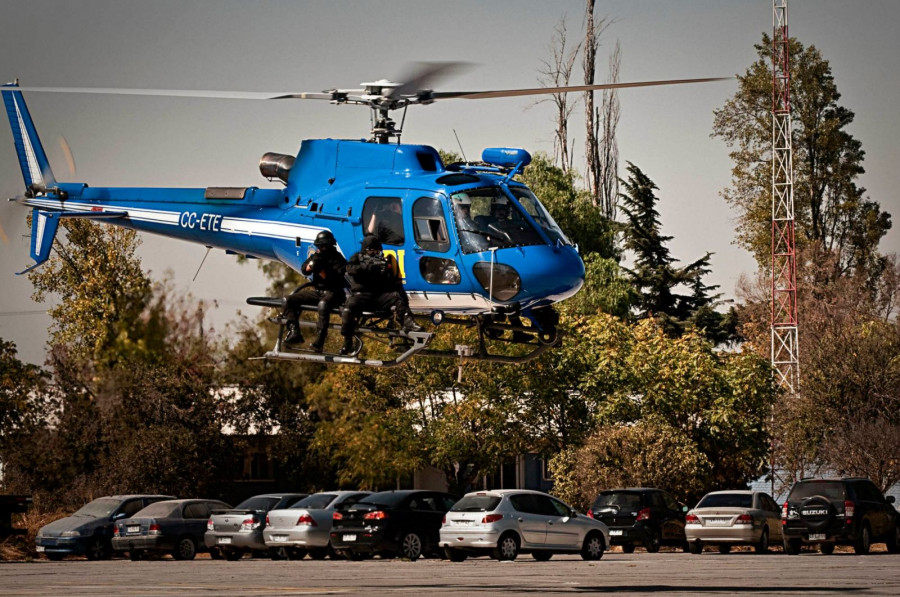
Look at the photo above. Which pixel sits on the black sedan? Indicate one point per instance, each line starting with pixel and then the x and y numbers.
pixel 172 526
pixel 391 523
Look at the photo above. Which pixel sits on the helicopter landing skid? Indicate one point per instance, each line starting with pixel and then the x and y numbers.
pixel 405 344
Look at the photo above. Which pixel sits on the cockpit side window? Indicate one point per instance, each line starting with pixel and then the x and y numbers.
pixel 383 217
pixel 429 225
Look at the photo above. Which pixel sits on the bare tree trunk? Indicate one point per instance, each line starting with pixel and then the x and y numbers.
pixel 609 150
pixel 593 31
pixel 557 73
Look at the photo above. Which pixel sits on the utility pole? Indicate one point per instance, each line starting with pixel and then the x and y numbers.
pixel 785 333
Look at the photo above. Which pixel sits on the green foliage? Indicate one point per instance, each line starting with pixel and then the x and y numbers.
pixel 830 209
pixel 649 453
pixel 720 401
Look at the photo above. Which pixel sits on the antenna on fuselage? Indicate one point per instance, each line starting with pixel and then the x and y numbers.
pixel 460 146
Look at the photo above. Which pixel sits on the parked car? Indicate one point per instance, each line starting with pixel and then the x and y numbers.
pixel 405 523
pixel 173 526
pixel 305 527
pixel 728 518
pixel 641 516
pixel 502 523
pixel 89 531
pixel 829 512
pixel 239 530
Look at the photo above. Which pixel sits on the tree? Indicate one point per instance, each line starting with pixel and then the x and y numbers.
pixel 557 73
pixel 655 278
pixel 593 30
pixel 830 209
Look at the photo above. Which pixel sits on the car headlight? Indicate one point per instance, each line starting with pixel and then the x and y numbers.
pixel 506 281
pixel 70 534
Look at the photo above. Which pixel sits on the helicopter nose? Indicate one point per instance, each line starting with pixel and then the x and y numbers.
pixel 533 276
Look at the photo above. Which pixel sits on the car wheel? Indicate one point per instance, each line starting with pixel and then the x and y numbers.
pixel 542 556
pixel 507 548
pixel 97 549
pixel 215 553
pixel 864 541
pixel 318 554
pixel 593 547
pixel 233 555
pixel 763 545
pixel 411 547
pixel 826 548
pixel 893 542
pixel 296 554
pixel 136 555
pixel 792 546
pixel 696 547
pixel 653 542
pixel 455 555
pixel 628 548
pixel 185 549
pixel 724 548
pixel 278 553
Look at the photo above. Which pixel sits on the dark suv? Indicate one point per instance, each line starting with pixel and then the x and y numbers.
pixel 839 511
pixel 641 516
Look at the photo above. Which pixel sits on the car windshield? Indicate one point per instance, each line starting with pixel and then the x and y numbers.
pixel 540 214
pixel 260 503
pixel 487 218
pixel 727 500
pixel 476 503
pixel 316 501
pixel 159 510
pixel 99 508
pixel 833 490
pixel 623 501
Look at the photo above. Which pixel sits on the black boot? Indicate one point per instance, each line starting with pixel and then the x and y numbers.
pixel 409 324
pixel 321 327
pixel 292 333
pixel 347 348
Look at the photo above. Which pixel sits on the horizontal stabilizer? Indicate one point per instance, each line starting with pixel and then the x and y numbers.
pixel 44 225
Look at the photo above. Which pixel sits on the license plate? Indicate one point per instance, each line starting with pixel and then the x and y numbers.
pixel 39 548
pixel 279 538
pixel 349 537
pixel 718 521
pixel 615 533
pixel 224 540
pixel 134 529
pixel 817 537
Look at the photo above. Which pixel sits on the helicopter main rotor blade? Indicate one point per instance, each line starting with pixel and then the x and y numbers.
pixel 548 90
pixel 248 95
pixel 422 76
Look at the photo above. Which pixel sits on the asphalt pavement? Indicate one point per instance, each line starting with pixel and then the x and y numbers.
pixel 639 573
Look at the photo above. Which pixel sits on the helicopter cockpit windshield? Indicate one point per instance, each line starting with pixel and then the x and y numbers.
pixel 487 218
pixel 540 214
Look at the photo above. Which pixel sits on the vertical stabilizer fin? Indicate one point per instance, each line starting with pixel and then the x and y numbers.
pixel 32 158
pixel 44 225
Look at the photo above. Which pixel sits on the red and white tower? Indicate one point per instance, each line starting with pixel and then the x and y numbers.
pixel 785 340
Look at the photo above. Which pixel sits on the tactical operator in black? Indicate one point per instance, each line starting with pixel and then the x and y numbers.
pixel 326 290
pixel 375 285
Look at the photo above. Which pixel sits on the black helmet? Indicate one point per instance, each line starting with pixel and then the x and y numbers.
pixel 325 239
pixel 371 242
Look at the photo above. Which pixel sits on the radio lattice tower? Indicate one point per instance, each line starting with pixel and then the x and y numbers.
pixel 785 340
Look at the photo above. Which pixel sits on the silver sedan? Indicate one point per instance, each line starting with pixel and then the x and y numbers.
pixel 305 527
pixel 728 518
pixel 502 523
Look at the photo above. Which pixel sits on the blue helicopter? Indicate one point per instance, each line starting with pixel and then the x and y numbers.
pixel 474 247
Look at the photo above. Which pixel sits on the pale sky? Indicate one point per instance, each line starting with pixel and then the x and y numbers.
pixel 300 45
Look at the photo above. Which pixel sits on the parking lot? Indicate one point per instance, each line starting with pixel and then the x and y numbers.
pixel 639 573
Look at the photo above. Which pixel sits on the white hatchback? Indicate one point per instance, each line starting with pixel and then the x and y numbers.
pixel 504 522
